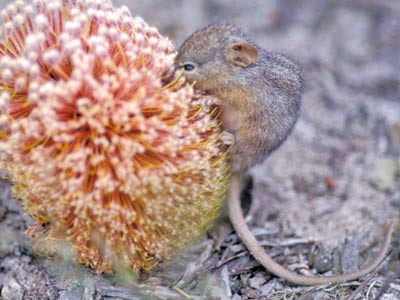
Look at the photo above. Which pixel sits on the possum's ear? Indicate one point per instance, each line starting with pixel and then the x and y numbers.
pixel 240 54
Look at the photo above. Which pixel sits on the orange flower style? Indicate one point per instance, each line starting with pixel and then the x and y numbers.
pixel 105 152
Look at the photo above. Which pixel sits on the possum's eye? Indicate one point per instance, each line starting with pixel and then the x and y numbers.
pixel 188 67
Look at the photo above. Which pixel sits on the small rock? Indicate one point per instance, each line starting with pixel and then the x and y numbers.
pixel 350 255
pixel 257 281
pixel 384 174
pixel 11 290
pixel 322 259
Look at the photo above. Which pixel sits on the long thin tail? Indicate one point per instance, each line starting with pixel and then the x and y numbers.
pixel 243 231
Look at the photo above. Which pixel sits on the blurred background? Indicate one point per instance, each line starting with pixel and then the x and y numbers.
pixel 336 176
pixel 355 30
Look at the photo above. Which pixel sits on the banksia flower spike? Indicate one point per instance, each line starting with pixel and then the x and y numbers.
pixel 106 153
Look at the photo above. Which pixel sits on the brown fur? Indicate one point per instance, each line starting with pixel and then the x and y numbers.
pixel 260 99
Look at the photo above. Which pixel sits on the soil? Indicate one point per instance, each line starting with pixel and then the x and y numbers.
pixel 317 204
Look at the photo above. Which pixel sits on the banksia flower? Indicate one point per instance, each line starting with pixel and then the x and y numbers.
pixel 105 152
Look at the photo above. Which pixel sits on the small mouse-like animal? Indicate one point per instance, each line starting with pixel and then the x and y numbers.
pixel 260 96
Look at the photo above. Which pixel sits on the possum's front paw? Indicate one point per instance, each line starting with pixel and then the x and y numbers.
pixel 228 139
